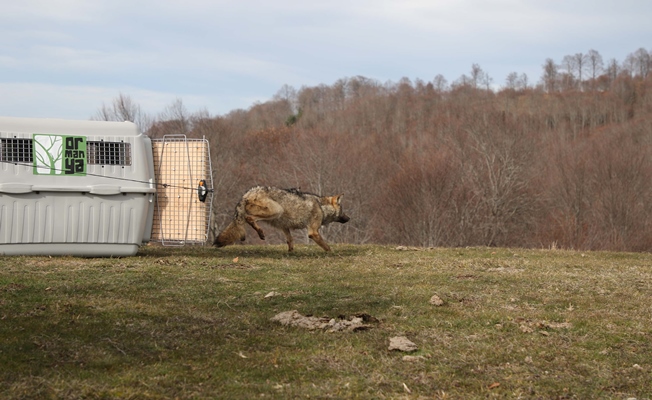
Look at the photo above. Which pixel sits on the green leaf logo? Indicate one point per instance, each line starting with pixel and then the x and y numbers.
pixel 59 155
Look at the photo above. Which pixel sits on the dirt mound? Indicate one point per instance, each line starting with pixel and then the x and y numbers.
pixel 354 323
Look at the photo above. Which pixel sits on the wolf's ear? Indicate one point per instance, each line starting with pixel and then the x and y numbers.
pixel 338 199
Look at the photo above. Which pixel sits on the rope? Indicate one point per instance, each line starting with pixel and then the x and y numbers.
pixel 164 185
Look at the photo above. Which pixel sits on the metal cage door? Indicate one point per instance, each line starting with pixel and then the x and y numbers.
pixel 184 195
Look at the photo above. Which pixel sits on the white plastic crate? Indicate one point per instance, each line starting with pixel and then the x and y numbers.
pixel 74 187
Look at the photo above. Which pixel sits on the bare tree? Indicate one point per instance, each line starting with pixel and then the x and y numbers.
pixel 550 76
pixel 511 82
pixel 123 108
pixel 611 72
pixel 621 180
pixel 515 81
pixel 463 81
pixel 612 69
pixel 569 194
pixel 289 94
pixel 440 83
pixel 479 78
pixel 595 66
pixel 499 176
pixel 575 65
pixel 426 191
pixel 640 63
pixel 176 117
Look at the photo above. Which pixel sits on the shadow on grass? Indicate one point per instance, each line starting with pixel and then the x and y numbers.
pixel 258 251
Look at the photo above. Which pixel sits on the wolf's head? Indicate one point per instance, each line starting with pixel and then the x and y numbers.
pixel 333 212
pixel 233 232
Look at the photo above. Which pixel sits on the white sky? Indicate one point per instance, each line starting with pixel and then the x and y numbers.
pixel 66 58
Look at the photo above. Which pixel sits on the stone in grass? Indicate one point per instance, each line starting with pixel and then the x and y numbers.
pixel 413 358
pixel 401 343
pixel 436 301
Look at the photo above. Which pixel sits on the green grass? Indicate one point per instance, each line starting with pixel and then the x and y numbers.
pixel 195 323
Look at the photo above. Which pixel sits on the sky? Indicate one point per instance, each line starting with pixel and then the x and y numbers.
pixel 68 58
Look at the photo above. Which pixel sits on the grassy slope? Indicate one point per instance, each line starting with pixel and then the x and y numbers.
pixel 195 323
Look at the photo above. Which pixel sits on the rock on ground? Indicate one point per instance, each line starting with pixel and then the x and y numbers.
pixel 436 301
pixel 351 324
pixel 401 343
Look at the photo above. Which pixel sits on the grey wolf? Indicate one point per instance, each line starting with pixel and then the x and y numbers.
pixel 284 209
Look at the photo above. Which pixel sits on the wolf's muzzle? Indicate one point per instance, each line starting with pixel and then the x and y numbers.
pixel 343 219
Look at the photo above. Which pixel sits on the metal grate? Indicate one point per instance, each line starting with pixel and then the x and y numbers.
pixel 108 153
pixel 179 216
pixel 16 150
pixel 99 152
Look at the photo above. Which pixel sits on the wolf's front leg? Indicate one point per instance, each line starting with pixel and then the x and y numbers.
pixel 314 235
pixel 289 240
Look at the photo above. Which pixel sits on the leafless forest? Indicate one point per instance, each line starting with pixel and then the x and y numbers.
pixel 561 161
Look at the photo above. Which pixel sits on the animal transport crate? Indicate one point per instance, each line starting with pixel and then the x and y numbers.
pixel 97 188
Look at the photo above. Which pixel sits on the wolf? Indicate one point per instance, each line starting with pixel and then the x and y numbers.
pixel 284 209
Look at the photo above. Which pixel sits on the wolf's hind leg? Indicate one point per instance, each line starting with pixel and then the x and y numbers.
pixel 252 222
pixel 258 210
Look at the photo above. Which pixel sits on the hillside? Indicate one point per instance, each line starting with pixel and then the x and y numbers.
pixel 564 162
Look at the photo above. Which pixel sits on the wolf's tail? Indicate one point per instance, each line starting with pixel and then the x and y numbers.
pixel 235 230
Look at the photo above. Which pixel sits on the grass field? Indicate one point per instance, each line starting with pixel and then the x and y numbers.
pixel 195 323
